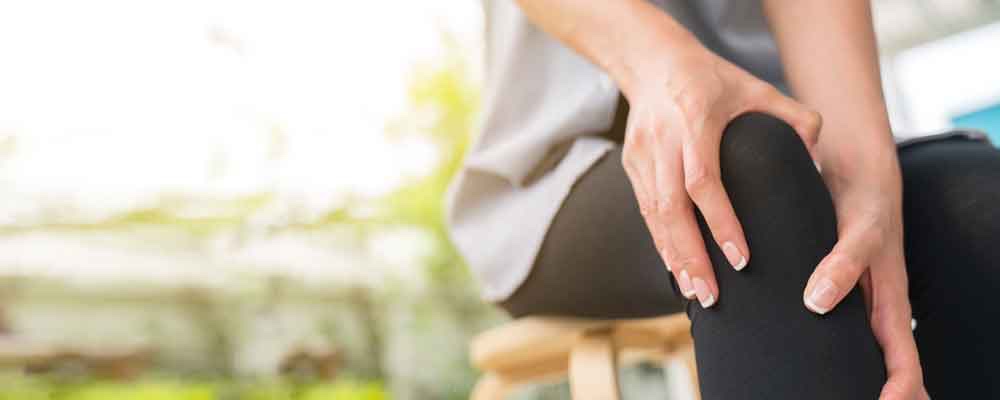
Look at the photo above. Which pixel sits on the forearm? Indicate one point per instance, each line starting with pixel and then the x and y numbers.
pixel 830 56
pixel 617 36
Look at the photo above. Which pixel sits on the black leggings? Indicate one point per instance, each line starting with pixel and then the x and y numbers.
pixel 759 341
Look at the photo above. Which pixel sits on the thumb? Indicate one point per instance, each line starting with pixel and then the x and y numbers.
pixel 806 122
pixel 837 273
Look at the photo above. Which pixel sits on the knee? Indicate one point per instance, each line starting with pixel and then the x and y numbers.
pixel 950 188
pixel 782 203
pixel 758 146
pixel 765 164
pixel 790 224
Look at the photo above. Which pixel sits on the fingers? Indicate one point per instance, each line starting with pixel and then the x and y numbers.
pixel 840 270
pixel 703 183
pixel 638 163
pixel 806 122
pixel 684 250
pixel 859 255
pixel 639 169
pixel 653 164
pixel 683 247
pixel 890 319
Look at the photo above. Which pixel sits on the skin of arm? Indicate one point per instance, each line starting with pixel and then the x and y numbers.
pixel 594 29
pixel 835 40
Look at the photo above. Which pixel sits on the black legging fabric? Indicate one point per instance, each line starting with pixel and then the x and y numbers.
pixel 759 341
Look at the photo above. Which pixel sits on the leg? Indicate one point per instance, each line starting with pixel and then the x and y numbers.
pixel 692 369
pixel 951 210
pixel 598 260
pixel 593 372
pixel 759 341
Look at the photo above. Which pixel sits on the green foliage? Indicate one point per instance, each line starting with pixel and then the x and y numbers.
pixel 142 391
pixel 20 390
pixel 351 391
pixel 441 316
pixel 170 211
pixel 447 93
pixel 451 97
pixel 38 389
pixel 444 107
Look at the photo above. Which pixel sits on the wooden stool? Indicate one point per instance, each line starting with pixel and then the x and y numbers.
pixel 539 349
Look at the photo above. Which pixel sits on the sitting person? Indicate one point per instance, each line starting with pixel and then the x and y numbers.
pixel 641 158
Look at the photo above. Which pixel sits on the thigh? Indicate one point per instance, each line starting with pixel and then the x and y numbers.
pixel 951 210
pixel 598 260
pixel 759 340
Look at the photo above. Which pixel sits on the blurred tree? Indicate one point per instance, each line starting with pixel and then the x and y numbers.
pixel 445 107
pixel 445 100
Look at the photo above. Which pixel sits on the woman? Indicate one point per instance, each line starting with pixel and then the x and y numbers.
pixel 711 192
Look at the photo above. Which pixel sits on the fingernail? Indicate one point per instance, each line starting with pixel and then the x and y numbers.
pixel 820 299
pixel 818 168
pixel 684 281
pixel 705 297
pixel 736 259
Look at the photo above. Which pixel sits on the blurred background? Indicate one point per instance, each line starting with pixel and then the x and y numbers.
pixel 220 199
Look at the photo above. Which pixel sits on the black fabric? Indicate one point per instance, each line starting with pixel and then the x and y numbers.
pixel 951 209
pixel 759 341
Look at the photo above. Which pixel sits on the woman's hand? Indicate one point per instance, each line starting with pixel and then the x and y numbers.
pixel 681 100
pixel 860 167
pixel 681 97
pixel 869 251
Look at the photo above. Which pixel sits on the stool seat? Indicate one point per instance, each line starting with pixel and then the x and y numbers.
pixel 538 349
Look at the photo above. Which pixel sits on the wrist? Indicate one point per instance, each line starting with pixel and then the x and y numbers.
pixel 842 153
pixel 657 44
pixel 861 168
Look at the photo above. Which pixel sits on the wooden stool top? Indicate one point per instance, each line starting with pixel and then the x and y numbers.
pixel 540 340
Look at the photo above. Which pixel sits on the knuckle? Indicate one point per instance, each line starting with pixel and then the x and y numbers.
pixel 692 103
pixel 645 209
pixel 693 106
pixel 725 228
pixel 759 94
pixel 812 121
pixel 875 237
pixel 628 162
pixel 693 263
pixel 667 207
pixel 632 143
pixel 760 91
pixel 634 178
pixel 638 140
pixel 699 179
pixel 849 261
pixel 636 137
pixel 875 229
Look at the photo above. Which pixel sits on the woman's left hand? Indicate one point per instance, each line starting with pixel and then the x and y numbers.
pixel 869 252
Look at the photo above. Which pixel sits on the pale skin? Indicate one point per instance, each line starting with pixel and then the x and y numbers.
pixel 682 96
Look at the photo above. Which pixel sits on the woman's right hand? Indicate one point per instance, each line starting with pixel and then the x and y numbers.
pixel 681 100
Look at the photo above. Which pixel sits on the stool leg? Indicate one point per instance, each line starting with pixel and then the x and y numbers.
pixel 593 372
pixel 490 387
pixel 692 367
